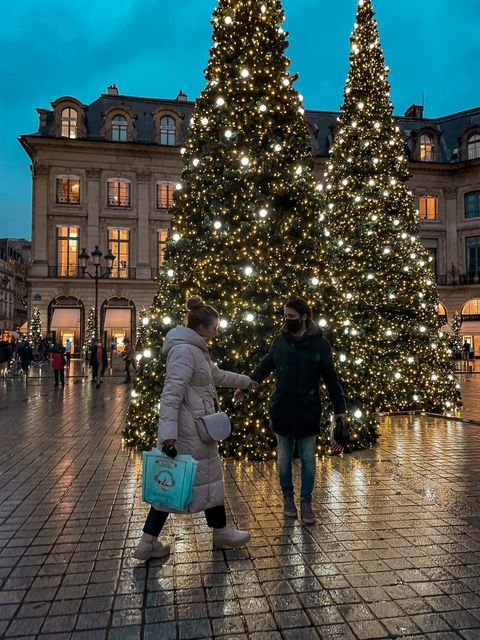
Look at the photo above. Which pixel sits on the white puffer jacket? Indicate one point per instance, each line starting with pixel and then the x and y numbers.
pixel 189 381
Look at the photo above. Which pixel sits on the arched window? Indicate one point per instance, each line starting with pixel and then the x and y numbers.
pixel 119 128
pixel 168 131
pixel 427 148
pixel 69 123
pixel 472 308
pixel 473 146
pixel 442 311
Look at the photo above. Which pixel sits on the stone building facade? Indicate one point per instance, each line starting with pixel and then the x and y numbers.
pixel 14 260
pixel 104 175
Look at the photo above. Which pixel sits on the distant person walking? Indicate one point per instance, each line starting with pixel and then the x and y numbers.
pixel 25 355
pixel 4 357
pixel 98 362
pixel 58 363
pixel 68 351
pixel 129 358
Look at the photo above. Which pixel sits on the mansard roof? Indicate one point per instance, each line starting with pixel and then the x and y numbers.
pixel 449 129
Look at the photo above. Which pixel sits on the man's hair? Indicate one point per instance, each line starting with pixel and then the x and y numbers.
pixel 301 307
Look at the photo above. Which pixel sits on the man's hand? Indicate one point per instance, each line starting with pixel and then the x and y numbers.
pixel 239 396
pixel 253 385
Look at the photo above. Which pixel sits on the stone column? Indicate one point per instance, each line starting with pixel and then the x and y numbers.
pixel 451 232
pixel 93 207
pixel 143 265
pixel 40 174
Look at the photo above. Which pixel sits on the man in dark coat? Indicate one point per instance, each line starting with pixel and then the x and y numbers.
pixel 300 356
pixel 25 355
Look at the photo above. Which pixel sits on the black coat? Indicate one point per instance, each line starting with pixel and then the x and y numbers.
pixel 299 365
pixel 93 357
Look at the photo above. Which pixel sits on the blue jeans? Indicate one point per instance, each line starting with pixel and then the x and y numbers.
pixel 307 448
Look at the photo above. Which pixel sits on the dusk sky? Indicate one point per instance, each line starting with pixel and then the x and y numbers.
pixel 151 48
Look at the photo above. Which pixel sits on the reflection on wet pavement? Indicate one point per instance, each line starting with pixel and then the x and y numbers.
pixel 395 552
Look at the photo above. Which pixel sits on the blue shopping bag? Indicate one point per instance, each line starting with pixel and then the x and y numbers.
pixel 167 483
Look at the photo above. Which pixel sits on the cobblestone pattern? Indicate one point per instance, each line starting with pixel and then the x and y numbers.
pixel 396 553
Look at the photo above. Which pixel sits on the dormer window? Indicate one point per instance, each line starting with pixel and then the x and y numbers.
pixel 427 148
pixel 168 131
pixel 119 128
pixel 69 123
pixel 473 147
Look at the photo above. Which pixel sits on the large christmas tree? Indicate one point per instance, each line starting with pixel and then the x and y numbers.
pixel 383 306
pixel 245 218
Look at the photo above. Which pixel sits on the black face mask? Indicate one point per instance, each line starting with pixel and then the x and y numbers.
pixel 293 325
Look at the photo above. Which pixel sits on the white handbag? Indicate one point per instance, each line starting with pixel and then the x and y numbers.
pixel 213 427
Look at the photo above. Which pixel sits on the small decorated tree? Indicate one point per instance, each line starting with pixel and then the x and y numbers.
pixel 89 332
pixel 35 331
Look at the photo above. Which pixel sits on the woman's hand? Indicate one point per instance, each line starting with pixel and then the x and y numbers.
pixel 253 385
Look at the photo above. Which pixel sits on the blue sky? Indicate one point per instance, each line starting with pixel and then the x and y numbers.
pixel 50 48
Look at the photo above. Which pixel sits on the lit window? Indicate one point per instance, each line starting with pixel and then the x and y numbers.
pixel 168 131
pixel 442 310
pixel 67 252
pixel 68 190
pixel 472 308
pixel 427 148
pixel 119 245
pixel 69 123
pixel 119 128
pixel 118 193
pixel 165 191
pixel 473 147
pixel 472 246
pixel 162 245
pixel 428 207
pixel 472 204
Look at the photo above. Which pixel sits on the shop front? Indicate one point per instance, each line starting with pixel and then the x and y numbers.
pixel 65 315
pixel 118 322
pixel 470 330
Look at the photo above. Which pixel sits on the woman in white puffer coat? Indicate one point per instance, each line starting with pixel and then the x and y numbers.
pixel 189 392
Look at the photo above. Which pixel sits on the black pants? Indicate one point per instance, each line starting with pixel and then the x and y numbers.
pixel 216 519
pixel 95 368
pixel 59 373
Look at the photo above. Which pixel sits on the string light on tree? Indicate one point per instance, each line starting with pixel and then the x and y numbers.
pixel 247 214
pixel 370 206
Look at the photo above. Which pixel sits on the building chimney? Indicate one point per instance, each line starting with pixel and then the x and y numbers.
pixel 414 111
pixel 112 90
pixel 182 97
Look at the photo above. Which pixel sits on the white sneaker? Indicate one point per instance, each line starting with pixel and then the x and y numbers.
pixel 230 538
pixel 150 547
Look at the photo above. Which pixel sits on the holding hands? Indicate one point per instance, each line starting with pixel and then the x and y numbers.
pixel 240 394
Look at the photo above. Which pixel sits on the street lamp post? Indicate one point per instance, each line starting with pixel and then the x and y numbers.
pixel 96 256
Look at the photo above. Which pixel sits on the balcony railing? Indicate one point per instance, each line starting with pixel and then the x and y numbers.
pixel 458 279
pixel 60 271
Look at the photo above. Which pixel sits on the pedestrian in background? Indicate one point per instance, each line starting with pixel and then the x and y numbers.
pixel 129 358
pixel 98 362
pixel 25 355
pixel 4 357
pixel 68 351
pixel 58 362
pixel 300 357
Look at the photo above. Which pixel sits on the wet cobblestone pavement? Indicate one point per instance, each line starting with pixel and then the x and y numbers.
pixel 395 554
